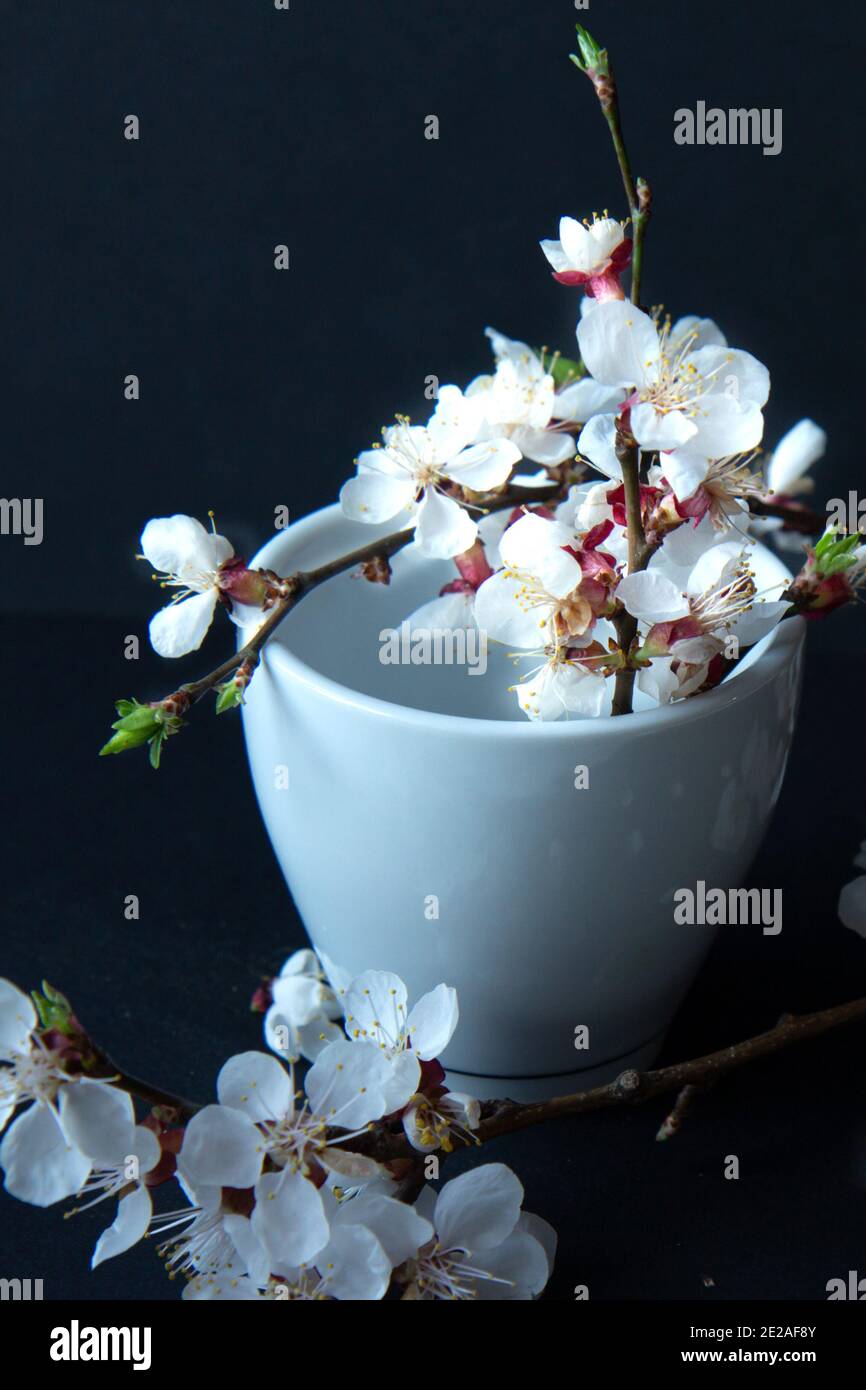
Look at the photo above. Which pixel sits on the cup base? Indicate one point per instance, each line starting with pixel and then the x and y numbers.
pixel 529 1088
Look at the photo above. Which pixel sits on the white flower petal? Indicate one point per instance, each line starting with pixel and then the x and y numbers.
pixel 99 1120
pixel 18 1018
pixel 794 455
pixel 289 1217
pixel 181 546
pixel 182 627
pixel 652 597
pixel 375 497
pixel 559 690
pixel 484 466
pixel 444 528
pixel 347 1084
pixel 731 371
pixel 353 1265
pixel 685 471
pixel 501 613
pixel 257 1085
pixel 128 1228
pixel 700 332
pixel 619 344
pixel 222 1148
pixel 597 443
pixel 585 398
pixel 432 1022
pixel 399 1229
pixel 852 906
pixel 40 1164
pixel 478 1210
pixel 656 430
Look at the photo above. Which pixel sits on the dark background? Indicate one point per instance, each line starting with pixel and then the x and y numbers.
pixel 258 387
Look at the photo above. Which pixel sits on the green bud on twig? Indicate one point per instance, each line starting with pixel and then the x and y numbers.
pixel 145 724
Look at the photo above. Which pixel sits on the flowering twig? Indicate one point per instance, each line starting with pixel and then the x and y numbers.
pixel 140 723
pixel 595 62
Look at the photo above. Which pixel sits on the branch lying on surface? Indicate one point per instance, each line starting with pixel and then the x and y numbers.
pixel 634 1087
pixel 501 1117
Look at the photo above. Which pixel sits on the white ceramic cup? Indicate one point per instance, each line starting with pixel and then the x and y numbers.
pixel 456 847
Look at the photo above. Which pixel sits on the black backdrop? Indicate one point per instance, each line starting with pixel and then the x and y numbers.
pixel 258 387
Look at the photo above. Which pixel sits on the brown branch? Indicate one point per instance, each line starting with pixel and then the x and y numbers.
pixel 639 553
pixel 633 1087
pixel 795 517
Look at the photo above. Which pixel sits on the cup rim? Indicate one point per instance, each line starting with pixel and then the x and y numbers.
pixel 773 651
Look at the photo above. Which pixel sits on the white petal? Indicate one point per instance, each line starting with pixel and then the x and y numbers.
pixel 347 1084
pixel 478 1210
pixel 432 1022
pixel 794 455
pixel 146 1149
pixel 257 1085
pixel 180 545
pixel 40 1164
pixel 726 426
pixel 619 344
pixel 597 443
pixel 181 627
pixel 731 371
pixel 555 254
pixel 577 244
pixel 517 1269
pixel 559 690
pixel 222 1148
pixel 444 529
pixel 99 1120
pixel 761 618
pixel 654 430
pixel 455 422
pixel 652 597
pixel 534 545
pixel 376 1006
pixel 354 1265
pixel 399 1229
pixel 448 613
pixel 658 680
pixel 852 906
pixel 484 466
pixel 403 1080
pixel 545 1235
pixel 501 613
pixel 685 471
pixel 289 1218
pixel 129 1226
pixel 375 497
pixel 302 997
pixel 250 1247
pixel 544 446
pixel 700 332
pixel 303 962
pixel 585 398
pixel 18 1018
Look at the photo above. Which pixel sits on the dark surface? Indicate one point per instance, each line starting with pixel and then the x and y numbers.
pixel 168 995
pixel 258 388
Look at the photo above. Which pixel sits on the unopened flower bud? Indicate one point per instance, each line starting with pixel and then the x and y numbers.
pixel 242 585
